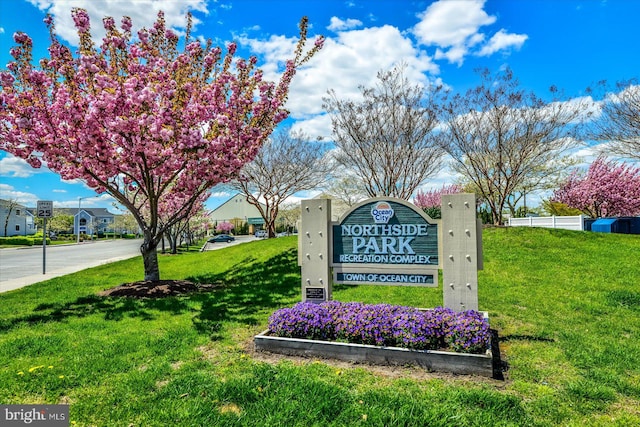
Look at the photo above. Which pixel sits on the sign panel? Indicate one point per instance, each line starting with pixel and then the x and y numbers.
pixel 45 208
pixel 398 277
pixel 385 241
pixel 385 232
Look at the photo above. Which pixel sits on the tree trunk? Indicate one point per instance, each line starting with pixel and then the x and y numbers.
pixel 173 242
pixel 271 222
pixel 150 259
pixel 271 229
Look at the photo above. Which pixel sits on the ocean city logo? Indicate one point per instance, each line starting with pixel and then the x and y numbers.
pixel 382 212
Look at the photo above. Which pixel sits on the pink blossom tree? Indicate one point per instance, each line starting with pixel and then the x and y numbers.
pixel 176 233
pixel 607 189
pixel 141 119
pixel 224 227
pixel 430 201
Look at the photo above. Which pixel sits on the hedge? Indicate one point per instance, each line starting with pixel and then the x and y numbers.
pixel 22 241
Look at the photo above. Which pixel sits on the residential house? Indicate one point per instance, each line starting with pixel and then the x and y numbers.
pixel 15 219
pixel 89 220
pixel 238 211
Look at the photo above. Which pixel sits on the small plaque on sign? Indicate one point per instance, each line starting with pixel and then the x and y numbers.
pixel 314 294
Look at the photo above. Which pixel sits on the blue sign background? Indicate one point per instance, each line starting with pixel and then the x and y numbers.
pixel 425 245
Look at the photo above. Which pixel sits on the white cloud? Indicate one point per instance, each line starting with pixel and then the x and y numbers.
pixel 142 13
pixel 338 24
pixel 454 55
pixel 15 167
pixel 629 92
pixel 587 108
pixel 453 27
pixel 350 59
pixel 501 41
pixel 7 192
pixel 452 23
pixel 97 201
pixel 318 126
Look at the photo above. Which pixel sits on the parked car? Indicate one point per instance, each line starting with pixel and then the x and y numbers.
pixel 261 234
pixel 221 238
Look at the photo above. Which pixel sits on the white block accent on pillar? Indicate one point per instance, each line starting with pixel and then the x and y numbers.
pixel 461 252
pixel 315 219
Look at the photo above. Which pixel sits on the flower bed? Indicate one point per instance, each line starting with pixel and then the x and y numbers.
pixel 438 339
pixel 384 325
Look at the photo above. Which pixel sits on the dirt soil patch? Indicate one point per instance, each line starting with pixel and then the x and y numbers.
pixel 157 289
pixel 388 371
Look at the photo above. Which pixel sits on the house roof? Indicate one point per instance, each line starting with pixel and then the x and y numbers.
pixel 4 202
pixel 231 199
pixel 95 212
pixel 236 207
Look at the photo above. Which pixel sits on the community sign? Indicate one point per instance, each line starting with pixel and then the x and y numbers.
pixel 385 241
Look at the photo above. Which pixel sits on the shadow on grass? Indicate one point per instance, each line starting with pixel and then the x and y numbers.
pixel 519 337
pixel 114 309
pixel 624 298
pixel 248 288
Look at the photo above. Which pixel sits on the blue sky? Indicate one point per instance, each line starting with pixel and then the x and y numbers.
pixel 569 43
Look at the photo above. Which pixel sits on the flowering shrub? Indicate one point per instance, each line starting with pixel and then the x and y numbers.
pixel 304 320
pixel 385 325
pixel 224 227
pixel 366 324
pixel 468 333
pixel 417 330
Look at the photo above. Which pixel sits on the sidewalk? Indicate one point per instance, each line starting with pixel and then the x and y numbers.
pixel 10 285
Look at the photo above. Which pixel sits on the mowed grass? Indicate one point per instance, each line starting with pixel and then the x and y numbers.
pixel 566 306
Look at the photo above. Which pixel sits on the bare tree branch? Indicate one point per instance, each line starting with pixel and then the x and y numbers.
pixel 505 140
pixel 287 164
pixel 620 121
pixel 387 139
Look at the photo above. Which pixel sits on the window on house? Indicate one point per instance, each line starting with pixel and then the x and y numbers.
pixel 83 221
pixel 17 212
pixel 17 228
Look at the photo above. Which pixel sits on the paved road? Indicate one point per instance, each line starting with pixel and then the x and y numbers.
pixel 220 245
pixel 23 266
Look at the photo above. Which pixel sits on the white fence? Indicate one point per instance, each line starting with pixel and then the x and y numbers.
pixel 565 222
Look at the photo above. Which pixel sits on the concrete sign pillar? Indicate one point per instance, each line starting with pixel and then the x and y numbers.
pixel 314 254
pixel 461 250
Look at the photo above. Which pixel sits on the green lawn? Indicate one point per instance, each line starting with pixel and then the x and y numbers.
pixel 566 306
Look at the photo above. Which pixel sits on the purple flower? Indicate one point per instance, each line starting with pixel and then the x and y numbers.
pixel 384 325
pixel 303 320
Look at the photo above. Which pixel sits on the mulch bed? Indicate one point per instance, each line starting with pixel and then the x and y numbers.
pixel 157 289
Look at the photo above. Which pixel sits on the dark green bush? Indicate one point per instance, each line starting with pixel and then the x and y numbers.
pixel 22 240
pixel 17 240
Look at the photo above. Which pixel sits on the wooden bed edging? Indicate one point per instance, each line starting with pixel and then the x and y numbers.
pixel 432 360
